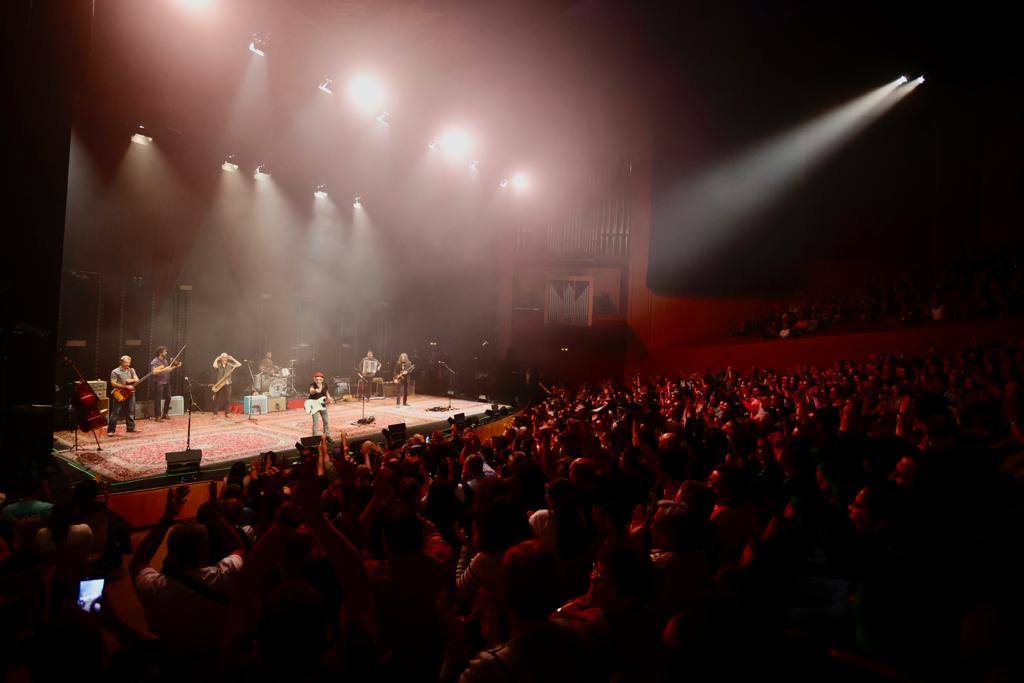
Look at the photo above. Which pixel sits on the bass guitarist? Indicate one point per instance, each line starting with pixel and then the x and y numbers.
pixel 224 364
pixel 123 377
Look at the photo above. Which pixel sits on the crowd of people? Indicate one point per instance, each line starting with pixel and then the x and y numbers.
pixel 836 523
pixel 978 288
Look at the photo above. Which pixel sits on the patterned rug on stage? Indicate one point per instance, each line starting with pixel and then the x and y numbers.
pixel 141 454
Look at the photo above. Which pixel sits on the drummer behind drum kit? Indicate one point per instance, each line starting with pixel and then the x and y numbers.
pixel 277 382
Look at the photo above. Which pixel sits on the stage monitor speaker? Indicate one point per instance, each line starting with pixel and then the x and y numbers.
pixel 181 462
pixel 394 434
pixel 310 442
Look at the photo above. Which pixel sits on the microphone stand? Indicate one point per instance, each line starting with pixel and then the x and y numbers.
pixel 191 402
pixel 364 388
pixel 451 382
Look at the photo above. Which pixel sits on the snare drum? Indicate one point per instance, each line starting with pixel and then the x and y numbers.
pixel 286 372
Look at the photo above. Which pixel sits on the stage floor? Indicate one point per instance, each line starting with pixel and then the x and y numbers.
pixel 128 457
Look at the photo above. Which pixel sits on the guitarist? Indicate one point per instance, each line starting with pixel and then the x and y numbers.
pixel 318 390
pixel 123 376
pixel 402 370
pixel 224 364
pixel 161 367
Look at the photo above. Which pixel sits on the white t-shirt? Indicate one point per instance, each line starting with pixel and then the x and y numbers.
pixel 186 621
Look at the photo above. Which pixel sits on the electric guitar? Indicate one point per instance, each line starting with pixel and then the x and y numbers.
pixel 404 373
pixel 123 393
pixel 315 405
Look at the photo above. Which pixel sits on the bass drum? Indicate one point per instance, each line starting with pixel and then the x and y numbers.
pixel 278 387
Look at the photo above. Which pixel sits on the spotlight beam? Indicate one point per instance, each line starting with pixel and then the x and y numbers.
pixel 711 209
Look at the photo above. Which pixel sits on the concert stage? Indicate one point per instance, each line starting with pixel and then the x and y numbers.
pixel 140 455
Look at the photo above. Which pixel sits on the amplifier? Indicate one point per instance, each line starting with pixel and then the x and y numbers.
pixel 143 409
pixel 177 406
pixel 255 405
pixel 99 386
pixel 277 404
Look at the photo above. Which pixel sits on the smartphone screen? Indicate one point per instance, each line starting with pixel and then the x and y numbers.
pixel 89 591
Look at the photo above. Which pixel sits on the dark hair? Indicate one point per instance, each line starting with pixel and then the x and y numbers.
pixel 160 349
pixel 187 543
pixel 502 524
pixel 402 530
pixel 85 496
pixel 631 570
pixel 571 531
pixel 293 628
pixel 529 582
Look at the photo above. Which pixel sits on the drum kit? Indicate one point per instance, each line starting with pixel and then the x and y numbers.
pixel 276 381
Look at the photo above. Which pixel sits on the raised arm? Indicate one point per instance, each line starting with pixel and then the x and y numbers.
pixel 357 608
pixel 149 545
pixel 209 514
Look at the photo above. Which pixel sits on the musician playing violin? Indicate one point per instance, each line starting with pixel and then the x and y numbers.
pixel 124 376
pixel 161 368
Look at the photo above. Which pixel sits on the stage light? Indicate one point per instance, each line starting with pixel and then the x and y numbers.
pixel 433 144
pixel 141 136
pixel 456 144
pixel 520 181
pixel 565 349
pixel 196 5
pixel 261 171
pixel 901 80
pixel 474 165
pixel 258 44
pixel 367 93
pixel 919 80
pixel 503 182
pixel 357 203
pixel 229 163
pixel 320 192
pixel 433 343
pixel 325 86
pixel 384 118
